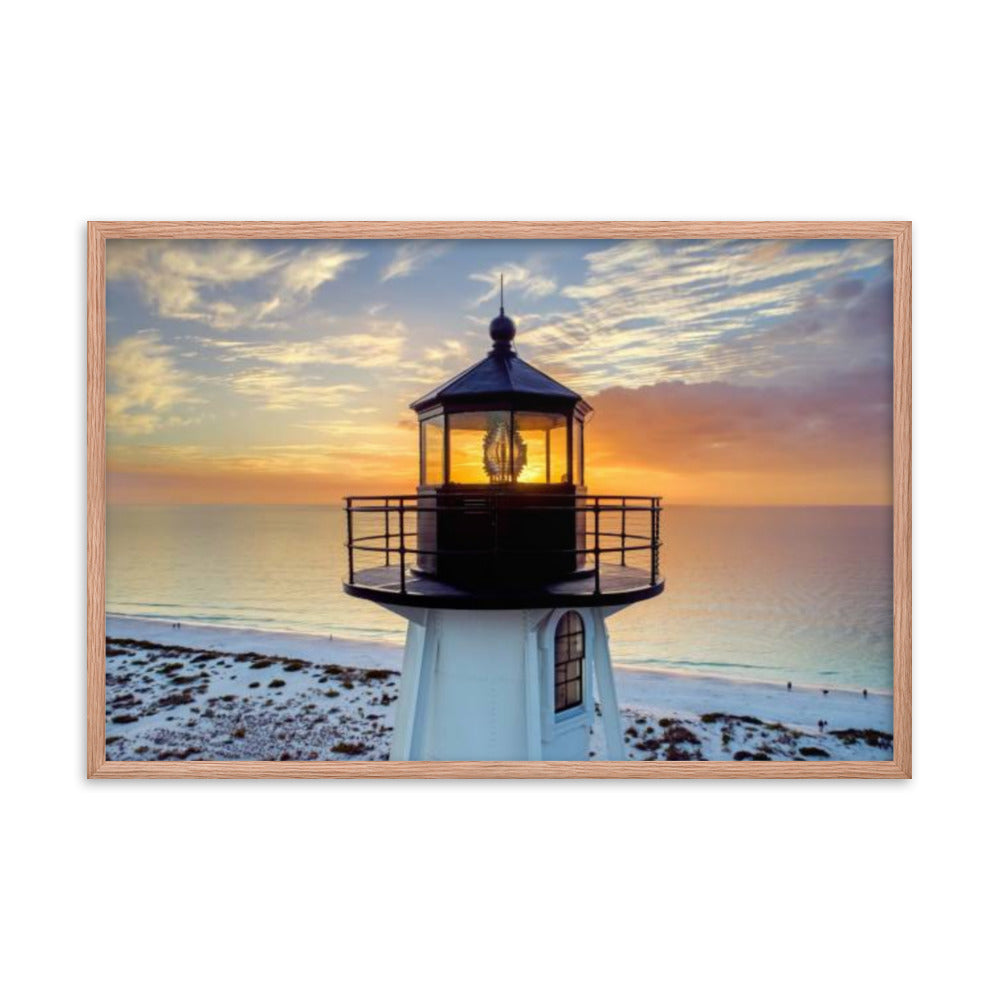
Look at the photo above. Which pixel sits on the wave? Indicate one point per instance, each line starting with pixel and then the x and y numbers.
pixel 696 664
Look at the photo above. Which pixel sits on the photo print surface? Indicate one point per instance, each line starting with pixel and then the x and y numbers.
pixel 499 500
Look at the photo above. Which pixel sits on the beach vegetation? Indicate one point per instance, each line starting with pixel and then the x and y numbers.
pixel 710 717
pixel 871 737
pixel 679 734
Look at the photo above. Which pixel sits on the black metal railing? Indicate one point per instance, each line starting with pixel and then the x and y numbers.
pixel 610 531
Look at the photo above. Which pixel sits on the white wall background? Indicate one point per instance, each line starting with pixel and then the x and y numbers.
pixel 506 111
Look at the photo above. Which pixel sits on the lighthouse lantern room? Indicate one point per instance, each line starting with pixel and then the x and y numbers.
pixel 506 569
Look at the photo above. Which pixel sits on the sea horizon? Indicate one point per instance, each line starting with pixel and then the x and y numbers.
pixel 776 593
pixel 664 506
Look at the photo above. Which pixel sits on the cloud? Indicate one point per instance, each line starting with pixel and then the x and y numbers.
pixel 316 266
pixel 832 436
pixel 146 390
pixel 219 282
pixel 447 350
pixel 283 390
pixel 411 256
pixel 526 282
pixel 174 274
pixel 380 345
pixel 649 311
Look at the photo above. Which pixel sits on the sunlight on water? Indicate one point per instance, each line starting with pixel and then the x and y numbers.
pixel 800 594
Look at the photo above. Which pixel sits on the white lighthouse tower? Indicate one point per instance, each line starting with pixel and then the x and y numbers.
pixel 506 570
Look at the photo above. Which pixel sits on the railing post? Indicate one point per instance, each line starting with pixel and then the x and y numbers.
pixel 386 503
pixel 654 531
pixel 350 543
pixel 402 552
pixel 621 500
pixel 597 545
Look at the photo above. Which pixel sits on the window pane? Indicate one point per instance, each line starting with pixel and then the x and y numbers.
pixel 568 667
pixel 570 622
pixel 544 438
pixel 432 451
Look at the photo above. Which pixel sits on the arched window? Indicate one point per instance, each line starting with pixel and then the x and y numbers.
pixel 569 661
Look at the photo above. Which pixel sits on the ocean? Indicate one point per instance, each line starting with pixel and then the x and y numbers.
pixel 801 594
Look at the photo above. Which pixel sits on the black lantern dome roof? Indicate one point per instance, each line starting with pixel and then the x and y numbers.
pixel 504 380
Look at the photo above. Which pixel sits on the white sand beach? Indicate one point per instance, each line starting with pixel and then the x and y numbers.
pixel 220 693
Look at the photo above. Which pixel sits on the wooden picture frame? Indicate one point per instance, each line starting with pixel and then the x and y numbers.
pixel 99 232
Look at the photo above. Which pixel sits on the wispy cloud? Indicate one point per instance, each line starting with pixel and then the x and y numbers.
pixel 146 389
pixel 379 345
pixel 174 275
pixel 411 256
pixel 310 269
pixel 447 350
pixel 522 280
pixel 650 311
pixel 283 390
pixel 219 282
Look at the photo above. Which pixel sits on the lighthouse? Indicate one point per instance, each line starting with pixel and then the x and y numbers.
pixel 506 570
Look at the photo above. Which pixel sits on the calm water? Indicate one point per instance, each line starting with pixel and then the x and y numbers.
pixel 800 594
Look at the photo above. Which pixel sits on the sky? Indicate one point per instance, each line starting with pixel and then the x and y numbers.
pixel 720 372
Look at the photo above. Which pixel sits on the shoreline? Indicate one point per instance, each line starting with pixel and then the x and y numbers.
pixel 379 653
pixel 326 649
pixel 720 716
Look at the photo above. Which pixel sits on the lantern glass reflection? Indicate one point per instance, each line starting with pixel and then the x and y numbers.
pixel 480 447
pixel 496 447
pixel 432 451
pixel 544 436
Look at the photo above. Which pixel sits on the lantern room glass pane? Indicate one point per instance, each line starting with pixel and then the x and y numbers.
pixel 544 438
pixel 578 452
pixel 481 448
pixel 432 451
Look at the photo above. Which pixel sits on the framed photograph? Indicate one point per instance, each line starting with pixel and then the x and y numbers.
pixel 520 499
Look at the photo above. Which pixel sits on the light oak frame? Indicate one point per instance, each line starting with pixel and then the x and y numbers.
pixel 899 232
